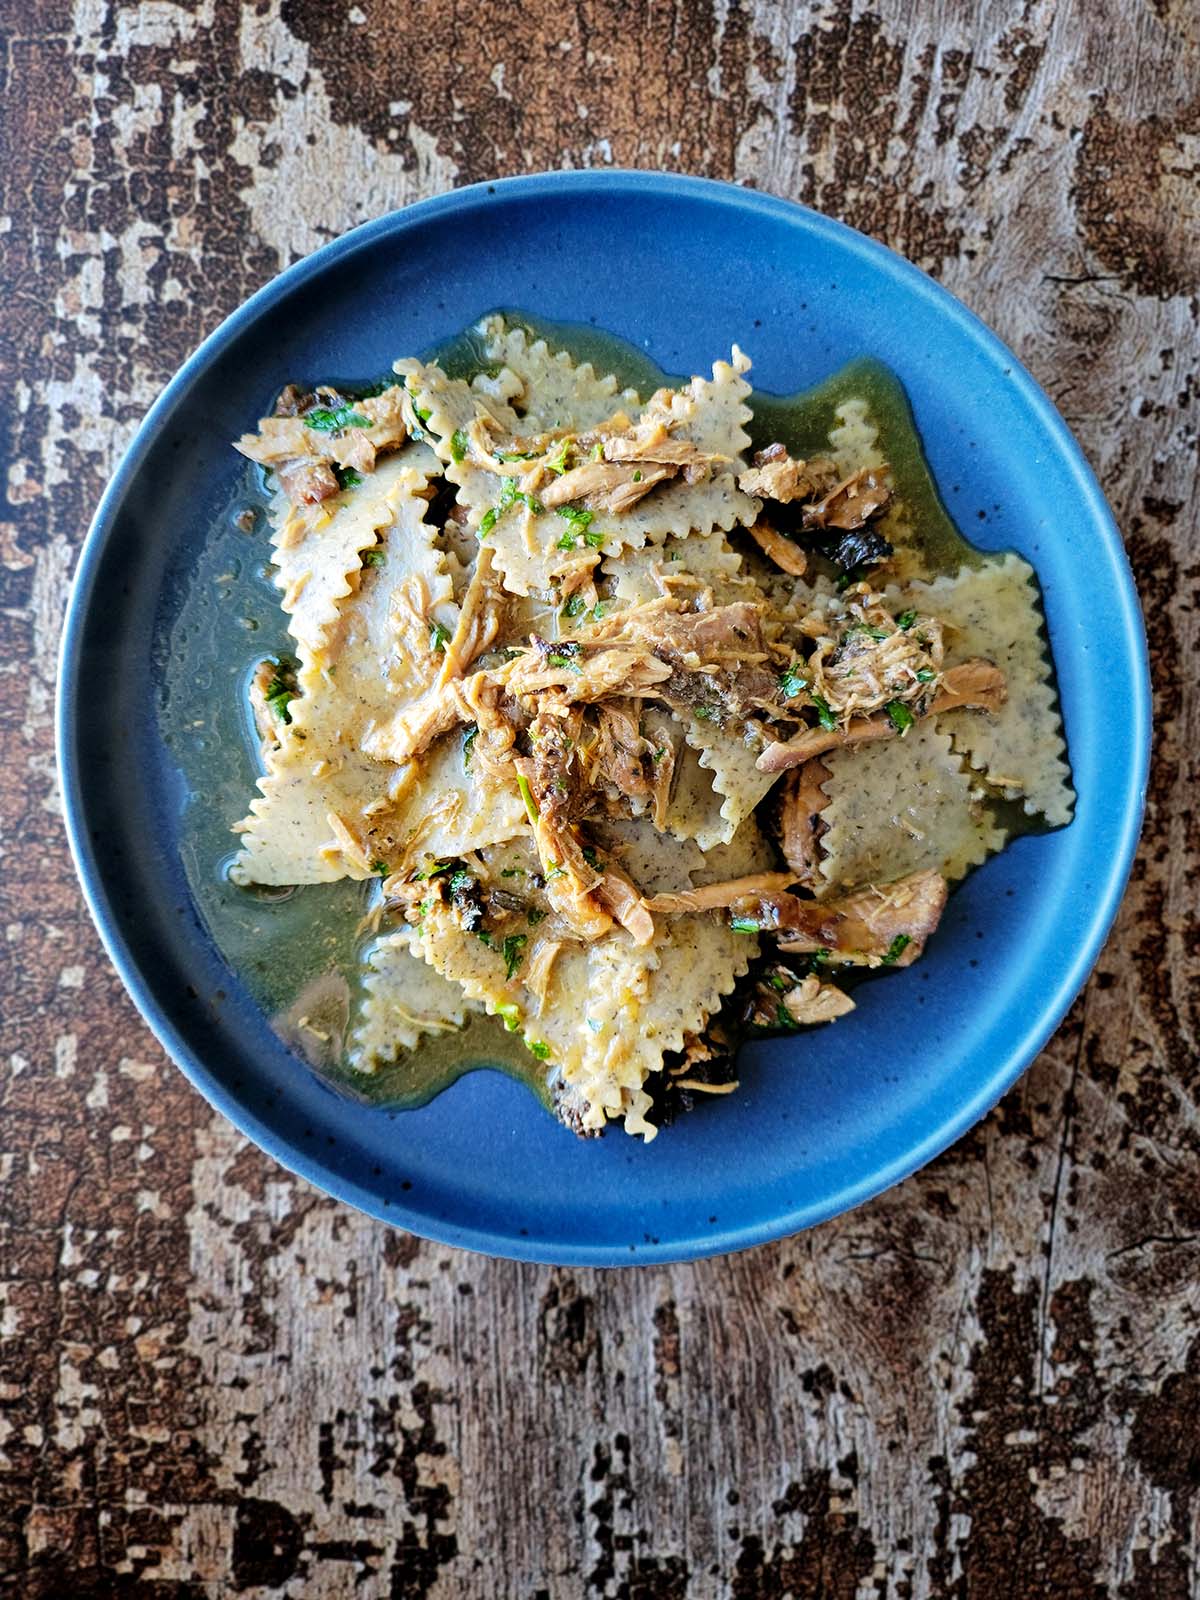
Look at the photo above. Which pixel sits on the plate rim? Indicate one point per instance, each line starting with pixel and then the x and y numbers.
pixel 490 1240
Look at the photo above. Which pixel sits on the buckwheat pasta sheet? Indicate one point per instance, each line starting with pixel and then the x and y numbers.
pixel 645 736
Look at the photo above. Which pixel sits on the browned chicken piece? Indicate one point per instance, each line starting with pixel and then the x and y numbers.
pixel 618 893
pixel 581 671
pixel 304 455
pixel 787 556
pixel 619 756
pixel 553 778
pixel 801 804
pixel 604 485
pixel 716 896
pixel 886 924
pixel 775 475
pixel 719 656
pixel 652 444
pixel 306 483
pixel 632 462
pixel 476 698
pixel 978 684
pixel 853 501
pixel 812 1001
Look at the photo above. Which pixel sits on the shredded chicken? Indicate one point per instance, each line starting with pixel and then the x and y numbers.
pixel 619 894
pixel 716 896
pixel 483 609
pixel 604 486
pixel 973 683
pixel 720 657
pixel 852 502
pixel 539 968
pixel 812 1001
pixel 775 475
pixel 620 755
pixel 875 661
pixel 580 671
pixel 801 805
pixel 783 552
pixel 311 434
pixel 886 924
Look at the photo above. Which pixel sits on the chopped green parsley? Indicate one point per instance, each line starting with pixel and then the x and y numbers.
pixel 527 796
pixel 791 683
pixel 374 558
pixel 514 952
pixel 439 637
pixel 824 715
pixel 900 717
pixel 896 949
pixel 458 445
pixel 322 420
pixel 905 620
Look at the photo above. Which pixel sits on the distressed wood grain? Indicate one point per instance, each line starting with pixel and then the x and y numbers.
pixel 215 1381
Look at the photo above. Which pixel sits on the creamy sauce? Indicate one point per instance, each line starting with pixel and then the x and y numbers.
pixel 300 951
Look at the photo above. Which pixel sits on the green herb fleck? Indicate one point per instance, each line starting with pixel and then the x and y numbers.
pixel 598 451
pixel 322 420
pixel 513 872
pixel 708 713
pixel 573 606
pixel 460 880
pixel 537 1048
pixel 439 637
pixel 558 462
pixel 380 869
pixel 533 916
pixel 580 522
pixel 347 477
pixel 469 739
pixel 637 477
pixel 555 872
pixel 926 675
pixel 783 1017
pixel 744 925
pixel 900 717
pixel 458 445
pixel 374 558
pixel 824 715
pixel 487 522
pixel 514 953
pixel 905 620
pixel 791 683
pixel 279 697
pixel 432 871
pixel 896 949
pixel 527 795
pixel 511 1015
pixel 592 859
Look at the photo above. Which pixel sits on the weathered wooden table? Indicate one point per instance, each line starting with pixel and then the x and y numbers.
pixel 986 1383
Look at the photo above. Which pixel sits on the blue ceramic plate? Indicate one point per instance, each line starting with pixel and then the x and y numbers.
pixel 680 267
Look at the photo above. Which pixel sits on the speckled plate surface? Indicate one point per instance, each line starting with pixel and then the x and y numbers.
pixel 823 1121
